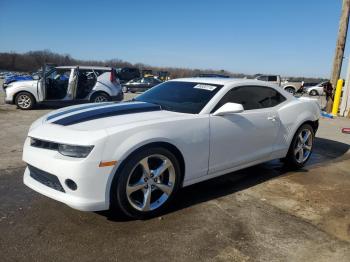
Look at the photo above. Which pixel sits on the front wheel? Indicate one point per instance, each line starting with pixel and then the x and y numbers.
pixel 301 147
pixel 25 101
pixel 147 183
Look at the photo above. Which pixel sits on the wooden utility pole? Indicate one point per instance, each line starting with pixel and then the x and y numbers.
pixel 339 49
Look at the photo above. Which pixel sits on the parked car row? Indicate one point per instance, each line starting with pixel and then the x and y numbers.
pixel 5 74
pixel 10 77
pixel 135 81
pixel 65 85
pixel 140 84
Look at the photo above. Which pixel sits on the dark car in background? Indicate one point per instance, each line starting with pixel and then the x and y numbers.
pixel 126 74
pixel 140 84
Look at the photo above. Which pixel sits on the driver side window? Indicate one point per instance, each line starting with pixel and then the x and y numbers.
pixel 252 97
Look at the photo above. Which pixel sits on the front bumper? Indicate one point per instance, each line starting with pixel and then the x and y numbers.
pixel 92 193
pixel 75 202
pixel 8 97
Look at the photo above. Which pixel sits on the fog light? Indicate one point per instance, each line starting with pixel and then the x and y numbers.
pixel 71 184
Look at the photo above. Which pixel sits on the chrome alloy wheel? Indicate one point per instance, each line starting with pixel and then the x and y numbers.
pixel 100 99
pixel 150 182
pixel 303 146
pixel 24 101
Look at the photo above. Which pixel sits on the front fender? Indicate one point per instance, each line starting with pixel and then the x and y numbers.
pixel 190 135
pixel 12 91
pixel 141 139
pixel 127 147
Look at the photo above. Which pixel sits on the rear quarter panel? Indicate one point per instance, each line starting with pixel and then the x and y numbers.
pixel 292 115
pixel 104 84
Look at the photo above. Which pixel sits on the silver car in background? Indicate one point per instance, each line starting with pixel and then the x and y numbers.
pixel 66 85
pixel 315 90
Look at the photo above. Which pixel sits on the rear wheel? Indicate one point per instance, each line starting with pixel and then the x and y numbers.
pixel 24 101
pixel 100 97
pixel 301 147
pixel 147 183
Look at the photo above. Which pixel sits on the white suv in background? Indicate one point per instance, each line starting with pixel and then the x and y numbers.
pixel 66 85
pixel 290 87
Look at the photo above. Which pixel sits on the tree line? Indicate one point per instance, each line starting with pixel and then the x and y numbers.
pixel 33 60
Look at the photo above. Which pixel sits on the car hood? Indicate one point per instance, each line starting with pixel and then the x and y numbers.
pixel 88 121
pixel 24 83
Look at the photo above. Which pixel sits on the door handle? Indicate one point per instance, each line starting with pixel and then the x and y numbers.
pixel 272 118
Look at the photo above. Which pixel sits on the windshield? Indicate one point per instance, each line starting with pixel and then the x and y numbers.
pixel 183 97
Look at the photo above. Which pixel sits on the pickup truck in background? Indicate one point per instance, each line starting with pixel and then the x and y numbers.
pixel 291 87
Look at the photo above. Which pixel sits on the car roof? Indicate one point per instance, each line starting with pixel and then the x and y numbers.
pixel 221 81
pixel 85 67
pixel 228 83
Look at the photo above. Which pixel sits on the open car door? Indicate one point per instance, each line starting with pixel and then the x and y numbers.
pixel 41 88
pixel 73 83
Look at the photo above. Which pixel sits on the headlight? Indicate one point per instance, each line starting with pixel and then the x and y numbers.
pixel 74 151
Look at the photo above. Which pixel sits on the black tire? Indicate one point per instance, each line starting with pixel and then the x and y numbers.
pixel 290 90
pixel 24 101
pixel 118 194
pixel 313 93
pixel 100 97
pixel 291 158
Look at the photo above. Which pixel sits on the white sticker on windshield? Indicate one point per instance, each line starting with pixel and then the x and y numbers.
pixel 205 87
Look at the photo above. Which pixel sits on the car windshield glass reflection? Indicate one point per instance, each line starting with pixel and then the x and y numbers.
pixel 183 97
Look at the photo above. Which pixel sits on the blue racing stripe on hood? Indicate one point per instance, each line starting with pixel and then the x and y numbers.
pixel 68 111
pixel 118 109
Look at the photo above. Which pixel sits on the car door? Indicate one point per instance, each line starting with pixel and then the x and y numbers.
pixel 248 137
pixel 145 84
pixel 72 84
pixel 42 81
pixel 41 88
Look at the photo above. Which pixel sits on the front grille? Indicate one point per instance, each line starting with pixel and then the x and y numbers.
pixel 45 178
pixel 43 144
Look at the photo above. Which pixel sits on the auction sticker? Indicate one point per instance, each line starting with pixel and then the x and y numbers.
pixel 205 87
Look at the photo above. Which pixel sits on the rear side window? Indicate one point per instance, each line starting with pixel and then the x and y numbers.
pixel 262 78
pixel 272 78
pixel 252 97
pixel 100 72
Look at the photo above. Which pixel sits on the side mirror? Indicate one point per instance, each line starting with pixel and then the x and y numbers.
pixel 229 108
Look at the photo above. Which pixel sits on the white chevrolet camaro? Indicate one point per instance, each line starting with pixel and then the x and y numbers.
pixel 136 155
